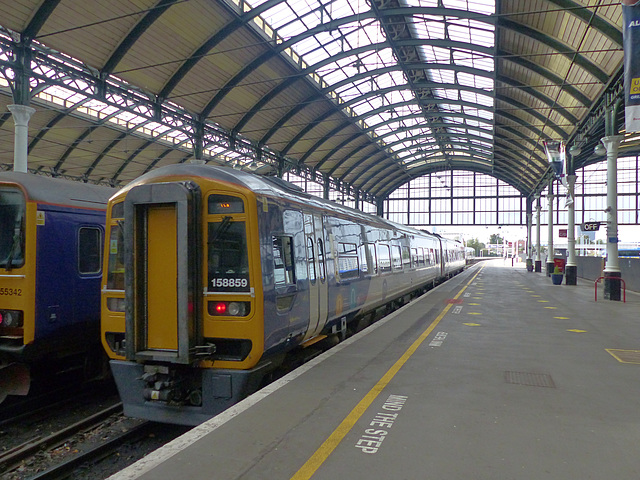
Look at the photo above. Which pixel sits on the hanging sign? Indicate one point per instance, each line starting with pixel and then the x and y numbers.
pixel 631 41
pixel 590 226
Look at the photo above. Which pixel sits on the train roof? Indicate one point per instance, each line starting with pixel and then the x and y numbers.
pixel 272 186
pixel 60 191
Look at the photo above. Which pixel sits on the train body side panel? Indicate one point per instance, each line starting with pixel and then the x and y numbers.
pixel 67 303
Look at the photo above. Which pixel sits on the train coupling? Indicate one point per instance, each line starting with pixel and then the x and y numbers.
pixel 161 385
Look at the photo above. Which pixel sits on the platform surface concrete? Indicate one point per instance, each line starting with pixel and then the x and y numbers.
pixel 496 374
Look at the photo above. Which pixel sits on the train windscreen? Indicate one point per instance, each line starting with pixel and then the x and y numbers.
pixel 12 228
pixel 228 263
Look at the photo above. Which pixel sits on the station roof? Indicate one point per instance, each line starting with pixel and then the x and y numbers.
pixel 367 93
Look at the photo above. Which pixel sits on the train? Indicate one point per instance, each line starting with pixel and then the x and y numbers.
pixel 51 247
pixel 215 278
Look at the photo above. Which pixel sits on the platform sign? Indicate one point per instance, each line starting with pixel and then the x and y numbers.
pixel 562 233
pixel 631 41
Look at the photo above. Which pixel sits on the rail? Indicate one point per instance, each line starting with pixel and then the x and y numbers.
pixel 624 285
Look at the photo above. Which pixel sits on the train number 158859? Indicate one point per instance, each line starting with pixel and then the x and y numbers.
pixel 11 291
pixel 229 282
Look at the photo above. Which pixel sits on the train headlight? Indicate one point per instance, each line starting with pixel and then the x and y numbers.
pixel 236 309
pixel 11 318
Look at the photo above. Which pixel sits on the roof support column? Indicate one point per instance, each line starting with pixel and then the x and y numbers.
pixel 538 264
pixel 21 115
pixel 529 212
pixel 20 110
pixel 571 269
pixel 325 185
pixel 550 248
pixel 612 277
pixel 198 142
pixel 380 207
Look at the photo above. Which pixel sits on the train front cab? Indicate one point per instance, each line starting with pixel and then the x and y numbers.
pixel 17 287
pixel 179 314
pixel 50 268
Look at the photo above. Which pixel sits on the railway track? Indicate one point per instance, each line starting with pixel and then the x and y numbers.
pixel 12 458
pixel 78 450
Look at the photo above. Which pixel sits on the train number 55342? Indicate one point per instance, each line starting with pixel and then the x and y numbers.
pixel 11 291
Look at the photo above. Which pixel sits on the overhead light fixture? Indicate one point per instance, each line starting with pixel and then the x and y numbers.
pixel 575 150
pixel 599 150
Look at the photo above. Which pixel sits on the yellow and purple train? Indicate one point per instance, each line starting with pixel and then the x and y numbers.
pixel 51 245
pixel 216 277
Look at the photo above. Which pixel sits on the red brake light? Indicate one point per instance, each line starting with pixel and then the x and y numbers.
pixel 221 308
pixel 1 318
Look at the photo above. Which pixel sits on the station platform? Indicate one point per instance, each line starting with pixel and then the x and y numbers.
pixel 495 374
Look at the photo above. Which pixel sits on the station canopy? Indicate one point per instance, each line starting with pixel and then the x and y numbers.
pixel 362 95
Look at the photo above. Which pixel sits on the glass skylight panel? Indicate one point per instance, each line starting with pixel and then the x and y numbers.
pixel 403 120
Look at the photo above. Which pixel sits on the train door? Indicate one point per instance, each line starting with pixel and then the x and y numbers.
pixel 317 276
pixel 161 235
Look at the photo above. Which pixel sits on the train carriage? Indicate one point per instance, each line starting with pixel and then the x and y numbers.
pixel 215 276
pixel 51 244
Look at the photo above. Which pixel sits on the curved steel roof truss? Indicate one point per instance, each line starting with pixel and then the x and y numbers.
pixel 367 94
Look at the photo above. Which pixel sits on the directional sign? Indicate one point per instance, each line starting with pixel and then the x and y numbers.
pixel 590 226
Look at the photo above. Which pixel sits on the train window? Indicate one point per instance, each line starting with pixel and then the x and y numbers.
pixel 117 210
pixel 321 260
pixel 396 255
pixel 283 261
pixel 368 262
pixel 384 258
pixel 225 204
pixel 406 258
pixel 347 260
pixel 311 261
pixel 12 228
pixel 89 250
pixel 228 264
pixel 115 274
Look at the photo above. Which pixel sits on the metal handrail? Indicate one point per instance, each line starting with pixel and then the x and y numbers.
pixel 624 284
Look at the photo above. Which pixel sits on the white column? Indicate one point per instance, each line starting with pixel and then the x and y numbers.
pixel 612 143
pixel 21 116
pixel 550 248
pixel 571 233
pixel 538 208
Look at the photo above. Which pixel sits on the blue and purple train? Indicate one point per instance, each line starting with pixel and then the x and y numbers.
pixel 51 246
pixel 215 277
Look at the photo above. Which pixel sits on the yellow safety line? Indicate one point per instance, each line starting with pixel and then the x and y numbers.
pixel 330 444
